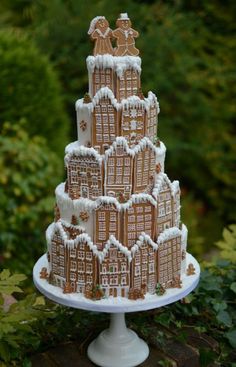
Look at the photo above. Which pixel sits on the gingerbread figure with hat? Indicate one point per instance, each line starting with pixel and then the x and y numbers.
pixel 100 32
pixel 125 36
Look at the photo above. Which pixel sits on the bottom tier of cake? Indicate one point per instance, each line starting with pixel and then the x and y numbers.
pixel 77 266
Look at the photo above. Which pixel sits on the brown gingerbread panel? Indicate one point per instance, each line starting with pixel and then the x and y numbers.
pixel 102 78
pixel 58 260
pixel 119 173
pixel 82 269
pixel 107 223
pixel 164 209
pixel 128 84
pixel 133 123
pixel 137 219
pixel 169 262
pixel 84 177
pixel 105 125
pixel 114 273
pixel 151 122
pixel 143 269
pixel 144 171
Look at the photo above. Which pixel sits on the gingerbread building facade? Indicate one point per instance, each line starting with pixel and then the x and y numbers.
pixel 117 230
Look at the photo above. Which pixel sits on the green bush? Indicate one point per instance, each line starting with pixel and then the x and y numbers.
pixel 29 172
pixel 30 90
pixel 19 323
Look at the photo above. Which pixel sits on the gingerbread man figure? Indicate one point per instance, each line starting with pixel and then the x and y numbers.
pixel 100 32
pixel 125 36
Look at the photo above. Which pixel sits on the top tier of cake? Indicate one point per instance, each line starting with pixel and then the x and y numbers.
pixel 115 105
pixel 117 152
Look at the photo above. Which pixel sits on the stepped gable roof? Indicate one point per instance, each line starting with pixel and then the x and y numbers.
pixel 130 102
pixel 68 242
pixel 168 234
pixel 152 99
pixel 105 92
pixel 160 179
pixel 118 63
pixel 74 149
pixel 142 239
pixel 113 241
pixel 142 144
pixel 133 102
pixel 90 205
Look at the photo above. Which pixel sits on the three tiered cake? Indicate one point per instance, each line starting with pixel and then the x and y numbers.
pixel 117 229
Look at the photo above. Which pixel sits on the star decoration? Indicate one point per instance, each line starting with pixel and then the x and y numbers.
pixel 133 113
pixel 83 125
pixel 84 216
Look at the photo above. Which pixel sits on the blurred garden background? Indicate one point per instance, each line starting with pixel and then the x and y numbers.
pixel 188 50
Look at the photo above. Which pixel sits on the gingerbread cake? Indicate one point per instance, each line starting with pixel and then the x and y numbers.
pixel 117 229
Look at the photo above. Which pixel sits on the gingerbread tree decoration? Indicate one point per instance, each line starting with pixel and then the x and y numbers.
pixel 87 98
pixel 125 37
pixel 101 34
pixel 44 273
pixel 190 269
pixel 158 168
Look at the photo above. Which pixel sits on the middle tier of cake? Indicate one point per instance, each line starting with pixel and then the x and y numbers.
pixel 120 172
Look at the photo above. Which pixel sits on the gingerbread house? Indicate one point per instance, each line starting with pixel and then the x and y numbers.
pixel 107 221
pixel 144 265
pixel 117 228
pixel 139 217
pixel 169 258
pixel 133 119
pixel 84 172
pixel 118 169
pixel 114 269
pixel 105 120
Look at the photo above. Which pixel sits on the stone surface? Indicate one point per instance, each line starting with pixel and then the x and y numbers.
pixel 178 354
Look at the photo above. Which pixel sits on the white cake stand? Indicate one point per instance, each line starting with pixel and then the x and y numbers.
pixel 116 346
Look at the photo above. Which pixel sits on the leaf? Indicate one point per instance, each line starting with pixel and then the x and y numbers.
pixel 40 301
pixel 231 336
pixel 233 287
pixel 4 351
pixel 224 318
pixel 220 306
pixel 4 274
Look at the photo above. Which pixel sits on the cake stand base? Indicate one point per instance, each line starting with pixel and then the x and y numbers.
pixel 118 346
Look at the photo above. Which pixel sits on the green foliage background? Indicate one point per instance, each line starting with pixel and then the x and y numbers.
pixel 30 90
pixel 29 172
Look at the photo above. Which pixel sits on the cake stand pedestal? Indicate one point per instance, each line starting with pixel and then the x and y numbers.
pixel 116 346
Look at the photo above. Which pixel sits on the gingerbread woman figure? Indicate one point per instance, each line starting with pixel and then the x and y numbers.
pixel 125 36
pixel 100 32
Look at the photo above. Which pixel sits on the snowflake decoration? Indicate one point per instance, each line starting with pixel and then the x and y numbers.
pixel 133 125
pixel 84 216
pixel 83 125
pixel 133 113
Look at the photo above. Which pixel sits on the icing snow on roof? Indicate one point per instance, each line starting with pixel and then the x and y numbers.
pixel 168 234
pixel 142 239
pixel 119 64
pixel 78 150
pixel 113 241
pixel 160 179
pixel 107 93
